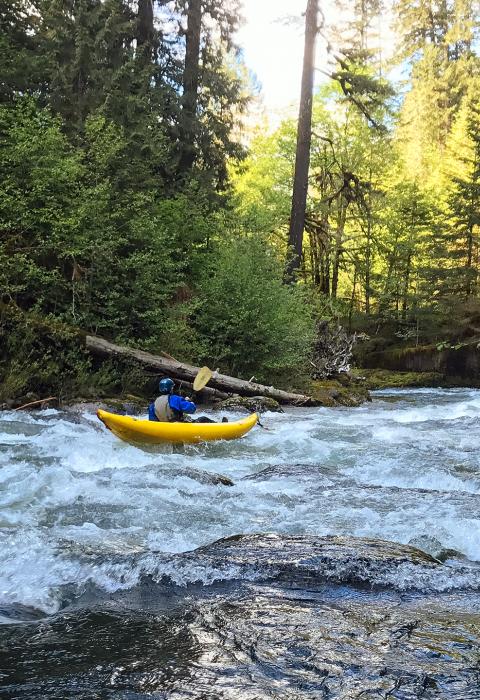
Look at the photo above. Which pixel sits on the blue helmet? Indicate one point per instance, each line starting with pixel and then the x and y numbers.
pixel 166 385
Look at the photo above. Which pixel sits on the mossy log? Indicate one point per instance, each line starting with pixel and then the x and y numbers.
pixel 221 384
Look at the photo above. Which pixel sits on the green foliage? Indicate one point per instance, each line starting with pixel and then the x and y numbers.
pixel 263 182
pixel 40 174
pixel 116 205
pixel 392 217
pixel 19 60
pixel 44 356
pixel 40 356
pixel 247 321
pixel 72 245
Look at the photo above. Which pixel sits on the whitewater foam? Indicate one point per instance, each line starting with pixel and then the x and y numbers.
pixel 394 469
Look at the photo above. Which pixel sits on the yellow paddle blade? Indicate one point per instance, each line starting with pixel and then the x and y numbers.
pixel 203 377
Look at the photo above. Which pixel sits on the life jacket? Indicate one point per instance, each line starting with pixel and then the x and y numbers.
pixel 162 409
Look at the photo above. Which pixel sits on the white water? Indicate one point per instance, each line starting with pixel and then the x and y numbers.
pixel 403 467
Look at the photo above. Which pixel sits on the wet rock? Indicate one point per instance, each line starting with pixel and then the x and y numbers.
pixel 23 613
pixel 434 547
pixel 252 641
pixel 116 552
pixel 129 406
pixel 316 560
pixel 333 392
pixel 333 647
pixel 291 547
pixel 302 472
pixel 250 404
pixel 202 477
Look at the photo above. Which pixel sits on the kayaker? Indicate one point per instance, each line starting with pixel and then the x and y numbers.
pixel 171 408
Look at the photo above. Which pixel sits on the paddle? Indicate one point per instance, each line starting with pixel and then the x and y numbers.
pixel 204 375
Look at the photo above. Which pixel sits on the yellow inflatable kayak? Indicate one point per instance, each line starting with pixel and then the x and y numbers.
pixel 152 432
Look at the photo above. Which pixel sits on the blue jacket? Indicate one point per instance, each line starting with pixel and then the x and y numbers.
pixel 178 404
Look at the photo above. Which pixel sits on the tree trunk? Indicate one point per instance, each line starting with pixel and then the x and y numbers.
pixel 405 287
pixel 368 250
pixel 352 300
pixel 187 373
pixel 368 263
pixel 190 84
pixel 145 29
pixel 469 259
pixel 81 64
pixel 314 261
pixel 325 258
pixel 387 287
pixel 304 138
pixel 341 220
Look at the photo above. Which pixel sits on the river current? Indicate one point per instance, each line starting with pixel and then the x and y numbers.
pixel 273 566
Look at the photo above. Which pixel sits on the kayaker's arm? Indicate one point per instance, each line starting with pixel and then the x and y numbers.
pixel 177 403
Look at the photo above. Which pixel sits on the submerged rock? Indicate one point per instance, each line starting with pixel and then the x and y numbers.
pixel 129 405
pixel 310 560
pixel 434 547
pixel 203 477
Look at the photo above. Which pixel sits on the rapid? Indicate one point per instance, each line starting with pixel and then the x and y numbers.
pixel 233 569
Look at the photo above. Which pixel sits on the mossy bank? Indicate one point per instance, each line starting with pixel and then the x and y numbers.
pixel 43 358
pixel 441 364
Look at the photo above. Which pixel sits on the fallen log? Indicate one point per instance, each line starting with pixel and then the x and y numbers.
pixel 184 372
pixel 205 395
pixel 35 403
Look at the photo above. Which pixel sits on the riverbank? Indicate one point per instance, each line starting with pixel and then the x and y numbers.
pixel 373 379
pixel 448 362
pixel 387 379
pixel 328 393
pixel 43 358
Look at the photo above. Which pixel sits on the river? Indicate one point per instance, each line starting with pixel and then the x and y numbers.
pixel 273 566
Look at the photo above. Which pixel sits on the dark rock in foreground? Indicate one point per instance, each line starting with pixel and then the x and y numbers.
pixel 304 631
pixel 309 560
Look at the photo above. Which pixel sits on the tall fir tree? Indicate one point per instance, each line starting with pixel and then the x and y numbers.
pixel 458 247
pixel 19 69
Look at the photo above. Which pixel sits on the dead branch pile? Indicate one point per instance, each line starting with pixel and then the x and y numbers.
pixel 332 352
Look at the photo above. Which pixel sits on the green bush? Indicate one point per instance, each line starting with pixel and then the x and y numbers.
pixel 246 321
pixel 43 356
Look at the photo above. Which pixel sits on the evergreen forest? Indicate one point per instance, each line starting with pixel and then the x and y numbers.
pixel 140 201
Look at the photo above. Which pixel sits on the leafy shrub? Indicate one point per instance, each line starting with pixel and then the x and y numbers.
pixel 247 322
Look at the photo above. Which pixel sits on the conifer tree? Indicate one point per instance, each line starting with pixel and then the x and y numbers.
pixel 436 38
pixel 304 137
pixel 421 23
pixel 461 232
pixel 212 90
pixel 19 66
